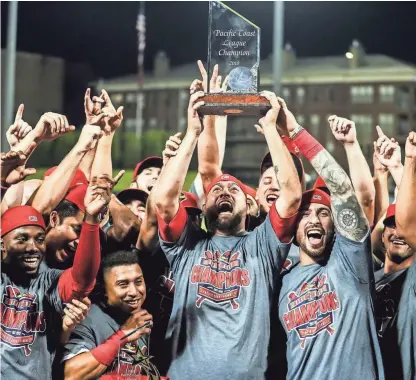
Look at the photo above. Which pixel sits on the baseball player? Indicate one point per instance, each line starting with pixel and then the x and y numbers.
pixel 146 173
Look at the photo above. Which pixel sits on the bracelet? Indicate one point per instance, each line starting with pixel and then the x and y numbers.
pixel 293 134
pixel 4 185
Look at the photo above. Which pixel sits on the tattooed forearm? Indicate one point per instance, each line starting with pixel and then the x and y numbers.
pixel 276 170
pixel 349 217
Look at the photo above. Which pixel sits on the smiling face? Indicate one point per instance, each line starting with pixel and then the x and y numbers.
pixel 137 207
pixel 125 287
pixel 315 230
pixel 397 250
pixel 147 179
pixel 226 207
pixel 268 190
pixel 24 249
pixel 63 235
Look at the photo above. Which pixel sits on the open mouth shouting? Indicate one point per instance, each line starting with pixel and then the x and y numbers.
pixel 315 236
pixel 224 205
pixel 271 198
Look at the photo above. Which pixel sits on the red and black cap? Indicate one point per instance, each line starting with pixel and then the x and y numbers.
pixel 127 195
pixel 315 196
pixel 76 195
pixel 320 184
pixel 148 162
pixel 390 215
pixel 21 216
pixel 79 177
pixel 189 201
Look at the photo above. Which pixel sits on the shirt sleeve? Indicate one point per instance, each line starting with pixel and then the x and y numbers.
pixel 273 238
pixel 81 340
pixel 354 257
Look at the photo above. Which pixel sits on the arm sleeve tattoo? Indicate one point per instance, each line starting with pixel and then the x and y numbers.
pixel 349 218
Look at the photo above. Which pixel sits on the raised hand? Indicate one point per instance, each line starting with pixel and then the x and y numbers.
pixel 387 150
pixel 286 121
pixel 171 147
pixel 114 117
pixel 51 126
pixel 98 195
pixel 137 319
pixel 410 149
pixel 343 129
pixel 194 122
pixel 94 114
pixel 88 138
pixel 19 129
pixel 12 166
pixel 215 84
pixel 75 312
pixel 271 116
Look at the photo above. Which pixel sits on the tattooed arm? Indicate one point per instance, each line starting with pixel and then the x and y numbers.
pixel 349 217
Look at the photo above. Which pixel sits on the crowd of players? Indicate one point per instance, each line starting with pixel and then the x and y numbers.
pixel 219 282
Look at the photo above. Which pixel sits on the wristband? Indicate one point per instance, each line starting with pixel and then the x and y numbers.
pixel 4 185
pixel 307 144
pixel 106 352
pixel 295 132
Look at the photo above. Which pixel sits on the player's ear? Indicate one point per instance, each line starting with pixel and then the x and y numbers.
pixel 54 219
pixel 3 250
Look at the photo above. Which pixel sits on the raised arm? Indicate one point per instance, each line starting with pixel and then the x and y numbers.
pixel 406 198
pixel 345 132
pixel 290 197
pixel 171 180
pixel 380 178
pixel 78 281
pixel 46 200
pixel 349 217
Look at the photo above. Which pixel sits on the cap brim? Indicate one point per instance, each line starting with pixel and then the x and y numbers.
pixel 127 195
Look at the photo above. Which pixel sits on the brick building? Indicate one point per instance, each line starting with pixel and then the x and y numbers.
pixel 370 89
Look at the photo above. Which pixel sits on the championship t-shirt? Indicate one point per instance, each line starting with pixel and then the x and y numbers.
pixel 29 329
pixel 328 315
pixel 220 322
pixel 95 329
pixel 396 321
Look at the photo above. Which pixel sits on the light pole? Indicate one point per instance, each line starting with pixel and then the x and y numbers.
pixel 278 29
pixel 10 72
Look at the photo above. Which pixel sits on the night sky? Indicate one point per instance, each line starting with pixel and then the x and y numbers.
pixel 103 34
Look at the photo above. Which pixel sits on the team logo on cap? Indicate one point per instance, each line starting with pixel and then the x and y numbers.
pixel 317 197
pixel 33 218
pixel 225 177
pixel 20 319
pixel 219 278
pixel 311 309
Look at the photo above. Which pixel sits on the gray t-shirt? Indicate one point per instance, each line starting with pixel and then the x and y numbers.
pixel 328 315
pixel 220 322
pixel 29 322
pixel 94 330
pixel 396 317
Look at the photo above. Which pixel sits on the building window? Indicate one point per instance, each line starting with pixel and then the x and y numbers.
pixel 362 94
pixel 152 122
pixel 386 94
pixel 131 97
pixel 314 94
pixel 403 126
pixel 315 121
pixel 364 127
pixel 286 93
pixel 386 121
pixel 300 119
pixel 300 95
pixel 330 146
pixel 117 98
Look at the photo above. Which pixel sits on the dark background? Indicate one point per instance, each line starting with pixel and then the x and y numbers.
pixel 103 34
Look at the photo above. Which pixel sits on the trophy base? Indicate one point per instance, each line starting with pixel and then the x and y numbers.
pixel 234 104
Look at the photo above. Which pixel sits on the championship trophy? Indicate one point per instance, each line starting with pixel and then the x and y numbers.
pixel 234 44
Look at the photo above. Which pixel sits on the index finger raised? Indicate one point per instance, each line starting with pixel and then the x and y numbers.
pixel 19 113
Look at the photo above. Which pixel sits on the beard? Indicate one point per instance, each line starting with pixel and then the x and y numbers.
pixel 398 256
pixel 322 251
pixel 216 223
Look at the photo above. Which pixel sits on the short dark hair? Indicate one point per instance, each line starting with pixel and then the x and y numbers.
pixel 66 209
pixel 116 259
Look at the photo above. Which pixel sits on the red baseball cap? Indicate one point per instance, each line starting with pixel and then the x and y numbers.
pixel 77 195
pixel 390 214
pixel 79 177
pixel 148 162
pixel 316 196
pixel 20 216
pixel 189 201
pixel 225 177
pixel 250 191
pixel 127 195
pixel 320 184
